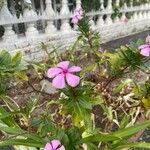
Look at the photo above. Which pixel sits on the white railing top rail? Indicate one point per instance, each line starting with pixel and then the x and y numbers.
pixel 56 25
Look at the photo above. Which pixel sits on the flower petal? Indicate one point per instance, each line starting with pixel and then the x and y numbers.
pixel 145 52
pixel 63 64
pixel 55 144
pixel 72 80
pixel 48 146
pixel 52 72
pixel 79 17
pixel 143 46
pixel 148 39
pixel 61 148
pixel 74 69
pixel 59 81
pixel 74 20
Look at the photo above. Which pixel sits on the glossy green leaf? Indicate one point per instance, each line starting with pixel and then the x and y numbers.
pixel 133 145
pixel 16 60
pixel 20 132
pixel 24 142
pixel 118 135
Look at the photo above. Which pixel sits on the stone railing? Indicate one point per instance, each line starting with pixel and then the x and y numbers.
pixel 64 34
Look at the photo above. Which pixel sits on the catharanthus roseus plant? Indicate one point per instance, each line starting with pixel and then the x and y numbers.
pixel 87 98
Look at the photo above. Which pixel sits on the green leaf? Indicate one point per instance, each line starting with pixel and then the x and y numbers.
pixel 5 58
pixel 101 137
pixel 12 130
pixel 16 60
pixel 24 142
pixel 6 117
pixel 133 145
pixel 7 114
pixel 120 134
pixel 122 85
pixel 17 131
pixel 11 104
pixel 21 75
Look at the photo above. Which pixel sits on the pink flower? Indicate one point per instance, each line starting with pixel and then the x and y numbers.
pixel 145 49
pixel 54 145
pixel 78 15
pixel 61 73
pixel 125 19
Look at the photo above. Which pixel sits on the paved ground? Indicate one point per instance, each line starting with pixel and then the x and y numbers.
pixel 125 40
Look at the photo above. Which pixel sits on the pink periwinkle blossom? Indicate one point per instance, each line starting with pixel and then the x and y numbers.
pixel 78 15
pixel 62 73
pixel 145 49
pixel 54 145
pixel 125 19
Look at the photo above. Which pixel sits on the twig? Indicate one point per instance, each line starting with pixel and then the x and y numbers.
pixel 38 91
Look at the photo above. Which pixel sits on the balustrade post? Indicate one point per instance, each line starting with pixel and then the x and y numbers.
pixel 65 14
pixel 148 12
pixel 140 13
pixel 145 14
pixel 6 16
pixel 135 16
pixel 29 14
pixel 78 4
pixel 9 34
pixel 100 21
pixel 117 19
pixel 123 16
pixel 131 3
pixel 109 5
pixel 49 12
pixel 109 12
pixel 92 23
pixel 102 5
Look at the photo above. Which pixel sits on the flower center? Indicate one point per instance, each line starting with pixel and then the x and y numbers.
pixel 65 71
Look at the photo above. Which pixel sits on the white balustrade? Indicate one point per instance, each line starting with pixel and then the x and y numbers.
pixel 100 21
pixel 101 4
pixel 9 34
pixel 31 32
pixel 65 13
pixel 109 12
pixel 92 23
pixel 117 19
pixel 109 28
pixel 49 12
pixel 78 4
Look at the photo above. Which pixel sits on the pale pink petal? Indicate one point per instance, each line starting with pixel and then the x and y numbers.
pixel 74 20
pixel 145 52
pixel 59 81
pixel 63 64
pixel 74 69
pixel 72 80
pixel 148 39
pixel 48 147
pixel 143 46
pixel 61 148
pixel 79 17
pixel 55 144
pixel 52 72
pixel 79 11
